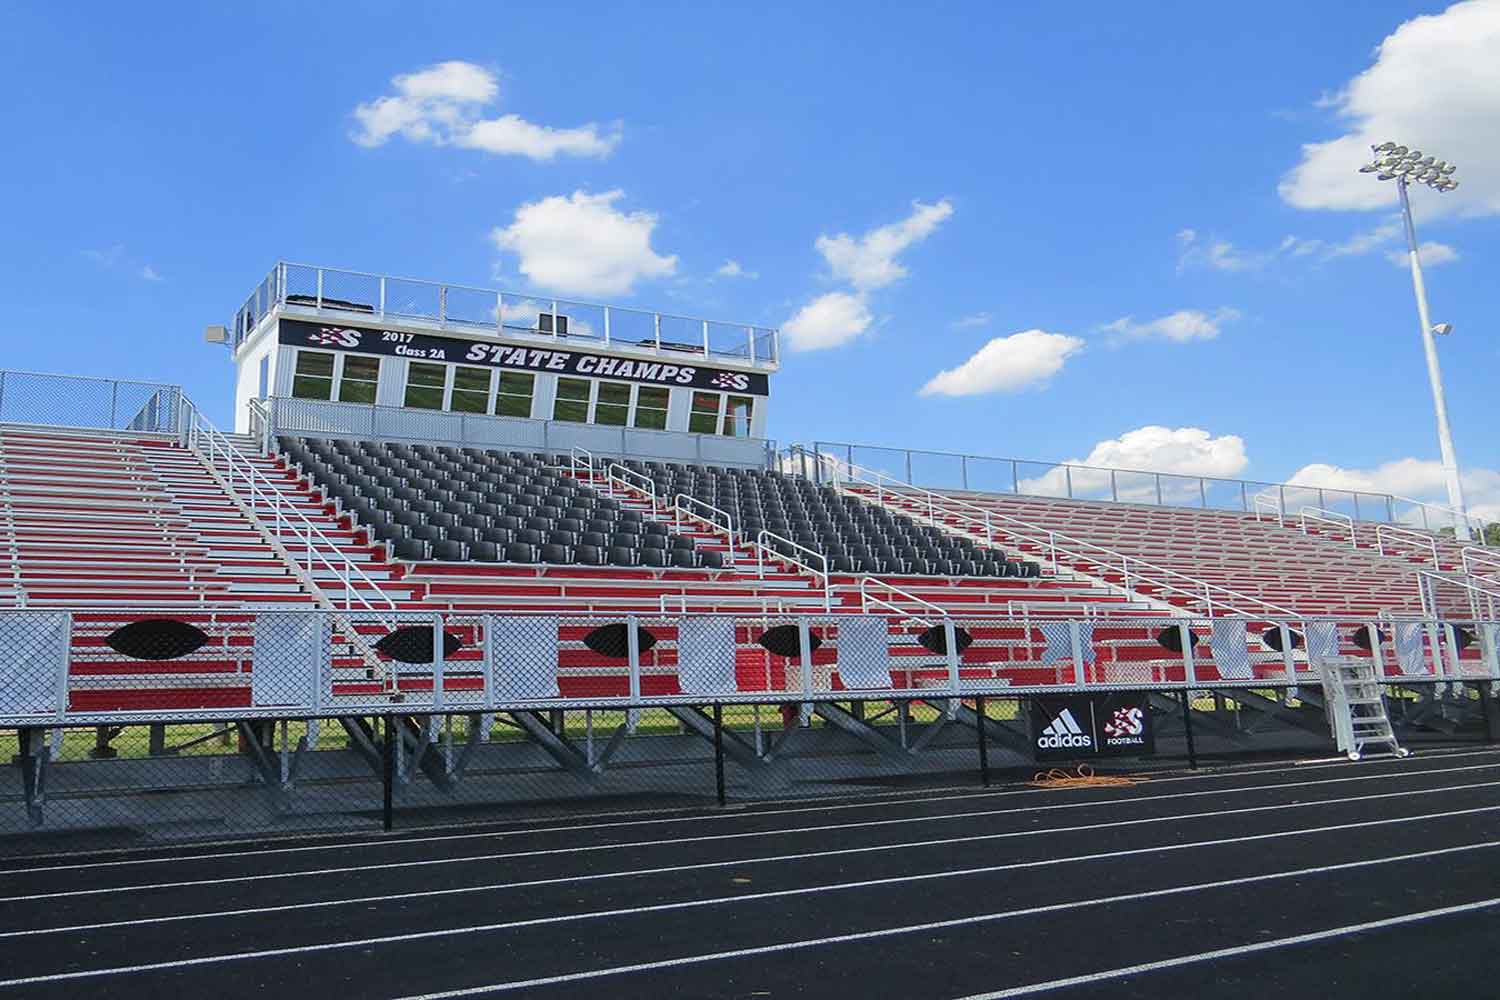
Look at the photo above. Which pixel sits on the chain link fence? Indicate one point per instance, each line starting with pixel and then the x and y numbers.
pixel 136 728
pixel 95 403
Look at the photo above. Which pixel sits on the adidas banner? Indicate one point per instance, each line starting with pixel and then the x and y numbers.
pixel 667 368
pixel 1106 725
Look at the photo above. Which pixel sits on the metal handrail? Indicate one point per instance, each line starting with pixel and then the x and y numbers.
pixel 1320 516
pixel 1202 590
pixel 574 454
pixel 681 510
pixel 1426 580
pixel 1274 503
pixel 865 599
pixel 278 294
pixel 1472 553
pixel 617 473
pixel 13 543
pixel 762 549
pixel 221 450
pixel 1417 538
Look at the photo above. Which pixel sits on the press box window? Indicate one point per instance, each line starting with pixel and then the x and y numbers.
pixel 471 390
pixel 424 385
pixel 514 397
pixel 572 403
pixel 703 417
pixel 613 405
pixel 358 380
pixel 651 407
pixel 737 416
pixel 313 376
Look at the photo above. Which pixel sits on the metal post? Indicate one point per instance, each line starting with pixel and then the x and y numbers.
pixel 1158 490
pixel 633 651
pixel 963 470
pixel 1187 728
pixel 1068 478
pixel 984 741
pixel 388 775
pixel 719 750
pixel 1434 373
pixel 1114 487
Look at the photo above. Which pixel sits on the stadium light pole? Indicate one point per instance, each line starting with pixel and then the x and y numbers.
pixel 1407 166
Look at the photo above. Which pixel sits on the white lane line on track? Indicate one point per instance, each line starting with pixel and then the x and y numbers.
pixel 1236 951
pixel 982 918
pixel 811 855
pixel 785 946
pixel 947 873
pixel 894 799
pixel 706 838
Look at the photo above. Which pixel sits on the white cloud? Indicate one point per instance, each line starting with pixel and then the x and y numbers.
pixel 114 256
pixel 1420 479
pixel 1366 241
pixel 829 320
pixel 1173 451
pixel 975 320
pixel 442 104
pixel 1431 252
pixel 582 245
pixel 869 261
pixel 1221 255
pixel 1434 85
pixel 1179 327
pixel 732 269
pixel 1217 254
pixel 1006 364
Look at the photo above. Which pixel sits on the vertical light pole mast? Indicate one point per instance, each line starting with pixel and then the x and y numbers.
pixel 1393 162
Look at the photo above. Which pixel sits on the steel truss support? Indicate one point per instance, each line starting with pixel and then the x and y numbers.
pixel 1171 706
pixel 1314 721
pixel 35 754
pixel 1006 736
pixel 836 716
pixel 735 746
pixel 275 768
pixel 582 763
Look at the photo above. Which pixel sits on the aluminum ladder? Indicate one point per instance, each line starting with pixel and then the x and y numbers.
pixel 1355 703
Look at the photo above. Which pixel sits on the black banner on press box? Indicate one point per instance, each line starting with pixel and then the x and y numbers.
pixel 1070 727
pixel 683 371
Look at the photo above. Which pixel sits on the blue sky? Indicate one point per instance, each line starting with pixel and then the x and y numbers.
pixel 1129 188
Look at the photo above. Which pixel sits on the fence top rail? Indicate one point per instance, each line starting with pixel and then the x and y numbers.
pixel 106 379
pixel 1261 488
pixel 280 296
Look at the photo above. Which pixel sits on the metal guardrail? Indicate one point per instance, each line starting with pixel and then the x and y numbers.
pixel 1134 571
pixel 375 422
pixel 359 294
pixel 689 507
pixel 1479 562
pixel 1063 480
pixel 763 547
pixel 1388 536
pixel 1332 518
pixel 867 600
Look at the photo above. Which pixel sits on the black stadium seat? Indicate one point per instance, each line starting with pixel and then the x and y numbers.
pixel 449 503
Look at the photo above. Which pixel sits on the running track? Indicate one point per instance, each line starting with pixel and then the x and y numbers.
pixel 1321 880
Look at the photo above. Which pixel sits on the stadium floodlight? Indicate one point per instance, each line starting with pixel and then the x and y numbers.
pixel 1407 166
